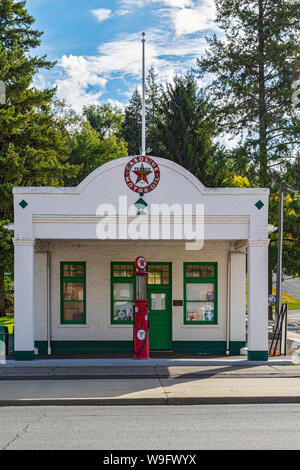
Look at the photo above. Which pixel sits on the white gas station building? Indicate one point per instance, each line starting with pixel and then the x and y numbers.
pixel 74 263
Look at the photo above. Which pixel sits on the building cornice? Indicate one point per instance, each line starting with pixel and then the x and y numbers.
pixel 258 243
pixel 77 190
pixel 23 241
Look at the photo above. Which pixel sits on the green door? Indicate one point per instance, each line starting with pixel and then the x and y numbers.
pixel 160 317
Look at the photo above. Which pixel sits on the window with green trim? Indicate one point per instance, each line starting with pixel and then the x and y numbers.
pixel 122 292
pixel 73 292
pixel 200 293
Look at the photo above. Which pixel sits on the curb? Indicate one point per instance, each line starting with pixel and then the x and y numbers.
pixel 149 401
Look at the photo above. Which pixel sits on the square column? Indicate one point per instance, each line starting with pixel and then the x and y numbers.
pixel 24 287
pixel 258 300
pixel 237 301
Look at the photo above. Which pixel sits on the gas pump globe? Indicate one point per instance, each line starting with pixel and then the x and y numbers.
pixel 141 321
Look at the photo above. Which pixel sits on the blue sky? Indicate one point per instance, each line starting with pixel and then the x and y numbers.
pixel 96 44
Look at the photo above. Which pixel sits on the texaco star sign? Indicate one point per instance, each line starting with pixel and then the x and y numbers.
pixel 142 174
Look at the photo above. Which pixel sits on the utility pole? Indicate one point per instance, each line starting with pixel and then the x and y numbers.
pixel 279 253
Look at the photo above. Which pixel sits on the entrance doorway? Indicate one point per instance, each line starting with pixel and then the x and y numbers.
pixel 160 306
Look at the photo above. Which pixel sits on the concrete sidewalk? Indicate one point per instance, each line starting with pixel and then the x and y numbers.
pixel 154 382
pixel 112 367
pixel 151 391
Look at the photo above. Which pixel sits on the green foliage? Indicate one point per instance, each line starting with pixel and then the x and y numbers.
pixel 6 251
pixel 184 128
pixel 89 150
pixel 132 124
pixel 105 119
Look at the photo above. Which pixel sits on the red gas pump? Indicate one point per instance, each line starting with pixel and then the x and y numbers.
pixel 141 320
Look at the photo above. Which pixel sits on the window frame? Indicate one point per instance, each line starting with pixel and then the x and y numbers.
pixel 120 280
pixel 72 279
pixel 200 280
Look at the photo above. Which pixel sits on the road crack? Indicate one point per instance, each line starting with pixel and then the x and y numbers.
pixel 23 431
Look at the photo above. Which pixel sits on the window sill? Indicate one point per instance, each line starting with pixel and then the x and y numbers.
pixel 62 325
pixel 200 326
pixel 121 326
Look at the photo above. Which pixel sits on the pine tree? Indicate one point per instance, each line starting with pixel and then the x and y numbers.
pixel 184 127
pixel 132 124
pixel 253 84
pixel 32 148
pixel 152 94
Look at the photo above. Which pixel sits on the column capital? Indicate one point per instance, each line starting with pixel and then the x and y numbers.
pixel 23 241
pixel 259 243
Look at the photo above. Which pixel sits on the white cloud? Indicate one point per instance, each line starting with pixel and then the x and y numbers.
pixel 175 3
pixel 101 14
pixel 132 3
pixel 192 20
pixel 130 6
pixel 167 3
pixel 116 103
pixel 122 12
pixel 186 16
pixel 79 73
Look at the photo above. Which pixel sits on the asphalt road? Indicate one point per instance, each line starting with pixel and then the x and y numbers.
pixel 291 286
pixel 151 427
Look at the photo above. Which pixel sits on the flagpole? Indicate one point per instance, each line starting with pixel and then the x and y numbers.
pixel 143 100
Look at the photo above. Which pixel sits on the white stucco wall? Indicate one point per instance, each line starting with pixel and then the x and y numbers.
pixel 98 256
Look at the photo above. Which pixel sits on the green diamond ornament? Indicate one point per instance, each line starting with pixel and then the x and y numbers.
pixel 140 204
pixel 259 204
pixel 23 204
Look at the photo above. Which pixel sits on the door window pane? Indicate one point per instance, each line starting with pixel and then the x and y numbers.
pixel 158 301
pixel 158 274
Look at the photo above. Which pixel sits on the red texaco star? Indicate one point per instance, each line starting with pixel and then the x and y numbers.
pixel 142 174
